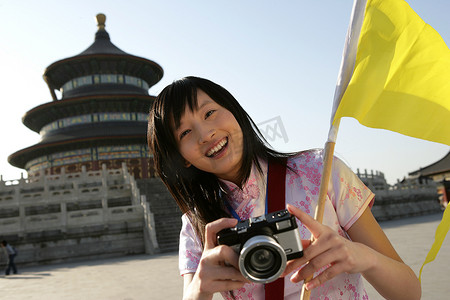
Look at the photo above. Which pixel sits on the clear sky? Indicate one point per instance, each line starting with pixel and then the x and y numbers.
pixel 278 58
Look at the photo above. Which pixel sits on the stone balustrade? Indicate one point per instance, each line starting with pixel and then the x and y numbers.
pixel 410 197
pixel 58 202
pixel 67 216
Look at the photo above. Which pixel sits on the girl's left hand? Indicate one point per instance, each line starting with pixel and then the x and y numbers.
pixel 327 249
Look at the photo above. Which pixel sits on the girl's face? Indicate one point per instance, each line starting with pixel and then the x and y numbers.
pixel 210 139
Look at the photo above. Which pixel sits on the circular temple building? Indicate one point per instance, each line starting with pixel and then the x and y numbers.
pixel 101 116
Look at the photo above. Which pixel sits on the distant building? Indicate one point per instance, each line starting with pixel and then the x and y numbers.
pixel 404 199
pixel 101 117
pixel 439 172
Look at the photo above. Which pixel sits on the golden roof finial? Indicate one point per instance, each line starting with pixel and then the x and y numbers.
pixel 101 18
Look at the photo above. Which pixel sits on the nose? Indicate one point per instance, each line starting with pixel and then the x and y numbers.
pixel 206 134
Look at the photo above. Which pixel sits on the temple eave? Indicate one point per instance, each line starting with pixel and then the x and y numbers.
pixel 51 111
pixel 64 70
pixel 20 158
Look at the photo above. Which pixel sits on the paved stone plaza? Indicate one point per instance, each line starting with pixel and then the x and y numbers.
pixel 156 277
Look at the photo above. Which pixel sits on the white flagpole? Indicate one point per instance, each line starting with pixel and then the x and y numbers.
pixel 324 180
pixel 345 74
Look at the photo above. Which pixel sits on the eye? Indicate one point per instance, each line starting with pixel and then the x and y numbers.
pixel 183 134
pixel 209 113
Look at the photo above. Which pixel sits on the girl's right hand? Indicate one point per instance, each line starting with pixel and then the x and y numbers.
pixel 218 269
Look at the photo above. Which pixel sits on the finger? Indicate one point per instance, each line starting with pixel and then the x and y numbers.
pixel 325 259
pixel 319 253
pixel 316 230
pixel 226 285
pixel 213 228
pixel 220 273
pixel 326 275
pixel 306 244
pixel 218 279
pixel 326 249
pixel 223 255
pixel 313 226
pixel 338 257
pixel 294 264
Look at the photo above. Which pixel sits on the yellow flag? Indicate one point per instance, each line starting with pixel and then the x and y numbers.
pixel 395 75
pixel 399 78
pixel 439 238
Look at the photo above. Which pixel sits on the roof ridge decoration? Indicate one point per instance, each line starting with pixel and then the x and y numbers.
pixel 102 43
pixel 101 19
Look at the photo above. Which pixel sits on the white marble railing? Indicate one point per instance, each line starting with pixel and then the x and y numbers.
pixel 42 203
pixel 63 220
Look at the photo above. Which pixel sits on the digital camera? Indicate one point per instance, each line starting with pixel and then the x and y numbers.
pixel 264 244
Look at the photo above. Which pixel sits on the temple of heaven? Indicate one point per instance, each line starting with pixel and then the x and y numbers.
pixel 100 117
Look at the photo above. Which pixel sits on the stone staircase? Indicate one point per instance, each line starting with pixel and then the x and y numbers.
pixel 166 214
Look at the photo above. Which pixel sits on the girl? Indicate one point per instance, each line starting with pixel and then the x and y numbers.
pixel 214 161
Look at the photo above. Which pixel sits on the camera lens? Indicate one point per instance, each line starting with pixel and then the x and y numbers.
pixel 262 259
pixel 262 262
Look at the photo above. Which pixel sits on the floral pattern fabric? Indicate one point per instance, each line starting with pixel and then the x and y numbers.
pixel 347 198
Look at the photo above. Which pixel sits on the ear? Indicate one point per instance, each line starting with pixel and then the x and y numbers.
pixel 187 164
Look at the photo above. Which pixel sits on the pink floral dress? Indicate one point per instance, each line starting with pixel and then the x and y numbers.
pixel 347 198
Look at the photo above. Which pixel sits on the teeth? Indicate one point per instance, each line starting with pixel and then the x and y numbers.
pixel 217 148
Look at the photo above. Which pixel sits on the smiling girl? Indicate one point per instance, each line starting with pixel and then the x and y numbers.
pixel 214 161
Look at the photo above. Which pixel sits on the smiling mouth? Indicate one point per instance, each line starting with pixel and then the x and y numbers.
pixel 219 147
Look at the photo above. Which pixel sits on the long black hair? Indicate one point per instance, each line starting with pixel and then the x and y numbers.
pixel 198 193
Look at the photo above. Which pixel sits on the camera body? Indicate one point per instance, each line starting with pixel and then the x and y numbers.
pixel 264 244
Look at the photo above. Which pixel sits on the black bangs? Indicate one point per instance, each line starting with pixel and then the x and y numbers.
pixel 181 93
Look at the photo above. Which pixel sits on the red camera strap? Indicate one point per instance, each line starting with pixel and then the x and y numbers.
pixel 276 193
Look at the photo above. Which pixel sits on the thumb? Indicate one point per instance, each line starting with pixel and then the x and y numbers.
pixel 213 228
